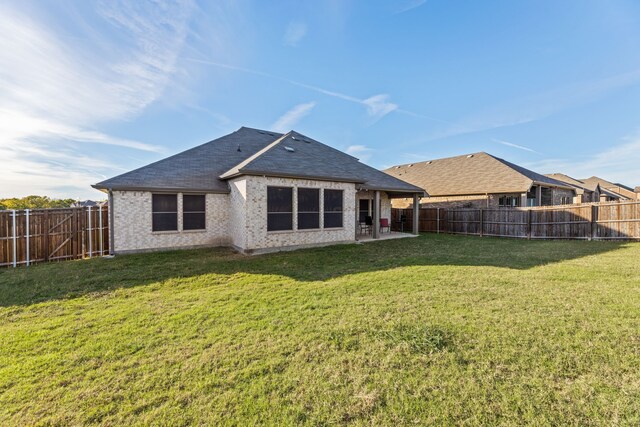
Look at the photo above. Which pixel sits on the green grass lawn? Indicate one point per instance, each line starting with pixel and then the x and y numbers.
pixel 437 330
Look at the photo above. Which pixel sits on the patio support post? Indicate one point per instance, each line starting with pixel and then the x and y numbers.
pixel 416 214
pixel 376 215
pixel 539 196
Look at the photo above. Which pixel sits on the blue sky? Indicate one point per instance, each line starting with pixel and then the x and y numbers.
pixel 89 90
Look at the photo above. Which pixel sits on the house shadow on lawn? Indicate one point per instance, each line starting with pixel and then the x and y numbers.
pixel 45 282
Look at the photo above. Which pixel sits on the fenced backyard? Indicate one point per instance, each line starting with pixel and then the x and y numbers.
pixel 598 221
pixel 41 235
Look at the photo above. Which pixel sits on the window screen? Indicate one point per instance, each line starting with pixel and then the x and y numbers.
pixel 193 212
pixel 165 212
pixel 279 208
pixel 308 208
pixel 332 208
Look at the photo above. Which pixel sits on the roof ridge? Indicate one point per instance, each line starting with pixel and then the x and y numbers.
pixel 441 158
pixel 326 145
pixel 237 168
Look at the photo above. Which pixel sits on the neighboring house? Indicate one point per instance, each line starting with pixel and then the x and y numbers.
pixel 253 190
pixel 626 193
pixel 587 191
pixel 481 180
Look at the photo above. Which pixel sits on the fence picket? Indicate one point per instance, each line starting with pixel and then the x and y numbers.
pixel 38 235
pixel 598 221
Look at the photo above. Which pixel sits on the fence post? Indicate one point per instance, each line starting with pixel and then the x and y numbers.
pixel 529 214
pixel 101 232
pixel 481 222
pixel 45 226
pixel 90 232
pixel 28 250
pixel 438 220
pixel 594 222
pixel 15 242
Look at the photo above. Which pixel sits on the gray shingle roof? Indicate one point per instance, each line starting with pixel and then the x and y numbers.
pixel 206 167
pixel 477 173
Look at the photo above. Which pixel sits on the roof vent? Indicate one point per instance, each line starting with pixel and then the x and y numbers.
pixel 294 138
pixel 289 149
pixel 429 162
pixel 469 156
pixel 239 147
pixel 410 165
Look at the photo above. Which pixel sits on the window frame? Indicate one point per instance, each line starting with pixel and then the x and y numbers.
pixel 316 213
pixel 186 212
pixel 274 214
pixel 328 214
pixel 155 225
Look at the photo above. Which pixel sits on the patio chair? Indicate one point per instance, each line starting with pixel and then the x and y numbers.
pixel 384 223
pixel 366 227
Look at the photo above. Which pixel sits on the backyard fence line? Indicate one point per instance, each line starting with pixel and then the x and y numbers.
pixel 41 235
pixel 597 221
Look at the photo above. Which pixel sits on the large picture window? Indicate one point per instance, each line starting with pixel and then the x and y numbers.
pixel 308 208
pixel 165 212
pixel 279 208
pixel 333 202
pixel 193 212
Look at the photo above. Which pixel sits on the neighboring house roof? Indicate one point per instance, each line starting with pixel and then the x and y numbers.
pixel 572 181
pixel 85 204
pixel 478 173
pixel 620 189
pixel 254 152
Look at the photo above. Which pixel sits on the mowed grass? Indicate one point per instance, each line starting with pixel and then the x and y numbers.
pixel 439 329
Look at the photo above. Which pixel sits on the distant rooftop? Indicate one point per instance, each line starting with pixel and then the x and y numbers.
pixel 476 173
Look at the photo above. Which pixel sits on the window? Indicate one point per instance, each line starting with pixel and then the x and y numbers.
pixel 279 208
pixel 363 210
pixel 509 201
pixel 308 208
pixel 332 208
pixel 165 212
pixel 193 212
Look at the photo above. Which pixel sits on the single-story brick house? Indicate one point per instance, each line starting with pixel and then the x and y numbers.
pixel 481 180
pixel 252 190
pixel 624 192
pixel 590 191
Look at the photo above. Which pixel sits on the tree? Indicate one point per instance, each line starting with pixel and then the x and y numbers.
pixel 34 202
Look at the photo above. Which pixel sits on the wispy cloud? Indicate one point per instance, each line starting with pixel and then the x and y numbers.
pixel 539 106
pixel 57 91
pixel 618 163
pixel 289 119
pixel 511 144
pixel 362 152
pixel 411 4
pixel 377 105
pixel 295 33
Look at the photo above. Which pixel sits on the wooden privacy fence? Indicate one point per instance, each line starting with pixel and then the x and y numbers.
pixel 41 235
pixel 610 221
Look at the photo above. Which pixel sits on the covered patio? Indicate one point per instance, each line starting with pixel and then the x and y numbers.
pixel 373 214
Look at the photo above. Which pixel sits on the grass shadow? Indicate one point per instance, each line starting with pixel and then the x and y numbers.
pixel 45 282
